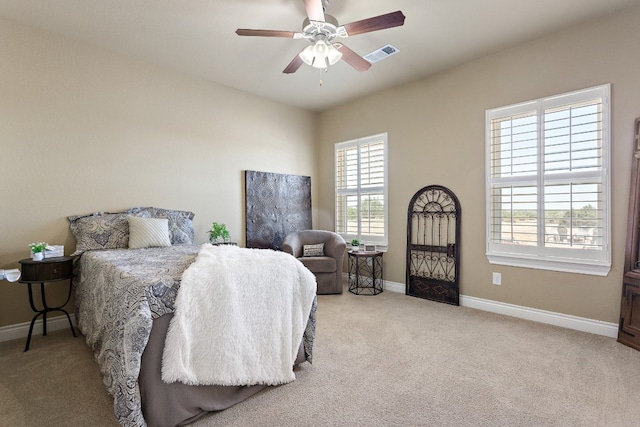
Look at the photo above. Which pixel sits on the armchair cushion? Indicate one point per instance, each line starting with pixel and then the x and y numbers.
pixel 319 264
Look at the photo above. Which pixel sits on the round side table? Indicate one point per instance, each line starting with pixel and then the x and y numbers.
pixel 365 272
pixel 48 270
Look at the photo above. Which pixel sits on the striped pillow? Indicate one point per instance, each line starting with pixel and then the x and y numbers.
pixel 148 232
pixel 313 250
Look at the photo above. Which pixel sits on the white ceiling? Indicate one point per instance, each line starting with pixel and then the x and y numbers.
pixel 198 37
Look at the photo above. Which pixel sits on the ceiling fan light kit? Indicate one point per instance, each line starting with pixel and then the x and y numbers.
pixel 321 29
pixel 320 54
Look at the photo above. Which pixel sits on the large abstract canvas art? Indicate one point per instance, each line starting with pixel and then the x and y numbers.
pixel 276 205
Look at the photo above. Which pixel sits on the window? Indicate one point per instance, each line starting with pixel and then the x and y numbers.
pixel 361 189
pixel 548 183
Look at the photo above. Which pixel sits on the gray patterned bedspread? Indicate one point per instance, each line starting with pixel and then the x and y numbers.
pixel 118 294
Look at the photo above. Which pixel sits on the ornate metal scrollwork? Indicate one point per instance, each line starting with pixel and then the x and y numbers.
pixel 433 245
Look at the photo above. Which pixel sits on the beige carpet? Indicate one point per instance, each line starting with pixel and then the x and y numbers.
pixel 386 360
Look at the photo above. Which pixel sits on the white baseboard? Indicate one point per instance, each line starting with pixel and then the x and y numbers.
pixel 394 286
pixel 568 321
pixel 21 330
pixel 583 324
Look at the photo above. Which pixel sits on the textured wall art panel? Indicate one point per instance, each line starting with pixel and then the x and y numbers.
pixel 276 205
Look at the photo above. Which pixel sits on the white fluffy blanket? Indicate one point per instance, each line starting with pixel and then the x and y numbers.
pixel 239 320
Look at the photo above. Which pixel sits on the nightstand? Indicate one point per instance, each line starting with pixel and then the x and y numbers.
pixel 48 270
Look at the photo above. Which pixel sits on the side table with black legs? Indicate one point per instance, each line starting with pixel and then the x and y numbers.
pixel 45 271
pixel 365 272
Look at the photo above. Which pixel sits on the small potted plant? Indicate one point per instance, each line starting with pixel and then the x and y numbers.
pixel 37 250
pixel 355 245
pixel 218 231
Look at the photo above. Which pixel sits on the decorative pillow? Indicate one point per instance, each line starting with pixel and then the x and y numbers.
pixel 313 250
pixel 148 232
pixel 180 222
pixel 99 230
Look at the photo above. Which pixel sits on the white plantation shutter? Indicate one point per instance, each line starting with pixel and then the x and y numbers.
pixel 361 176
pixel 513 171
pixel 547 183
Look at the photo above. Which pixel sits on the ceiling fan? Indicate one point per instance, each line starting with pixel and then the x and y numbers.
pixel 321 29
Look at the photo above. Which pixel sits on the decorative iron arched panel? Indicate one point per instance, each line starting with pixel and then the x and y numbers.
pixel 433 245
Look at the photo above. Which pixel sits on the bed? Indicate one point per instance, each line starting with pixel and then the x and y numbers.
pixel 125 301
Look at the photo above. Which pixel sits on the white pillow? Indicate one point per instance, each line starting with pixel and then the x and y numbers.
pixel 148 232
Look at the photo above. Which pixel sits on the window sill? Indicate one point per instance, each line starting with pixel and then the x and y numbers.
pixel 588 267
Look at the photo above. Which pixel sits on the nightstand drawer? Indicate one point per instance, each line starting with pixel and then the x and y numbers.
pixel 46 270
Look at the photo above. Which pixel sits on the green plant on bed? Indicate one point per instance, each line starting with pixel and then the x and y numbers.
pixel 218 231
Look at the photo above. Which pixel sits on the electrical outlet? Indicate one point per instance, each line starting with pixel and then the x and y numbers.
pixel 497 278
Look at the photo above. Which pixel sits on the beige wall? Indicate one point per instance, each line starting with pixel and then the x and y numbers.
pixel 436 136
pixel 84 130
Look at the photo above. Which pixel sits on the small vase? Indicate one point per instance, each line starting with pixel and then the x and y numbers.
pixel 37 256
pixel 355 248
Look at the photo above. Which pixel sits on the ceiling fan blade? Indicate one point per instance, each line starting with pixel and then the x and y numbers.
pixel 265 33
pixel 352 58
pixel 293 65
pixel 389 20
pixel 315 12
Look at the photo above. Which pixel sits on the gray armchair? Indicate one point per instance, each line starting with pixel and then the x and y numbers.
pixel 328 267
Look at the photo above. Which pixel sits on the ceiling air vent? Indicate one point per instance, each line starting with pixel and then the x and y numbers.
pixel 380 54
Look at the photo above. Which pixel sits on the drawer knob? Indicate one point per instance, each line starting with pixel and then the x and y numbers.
pixel 55 270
